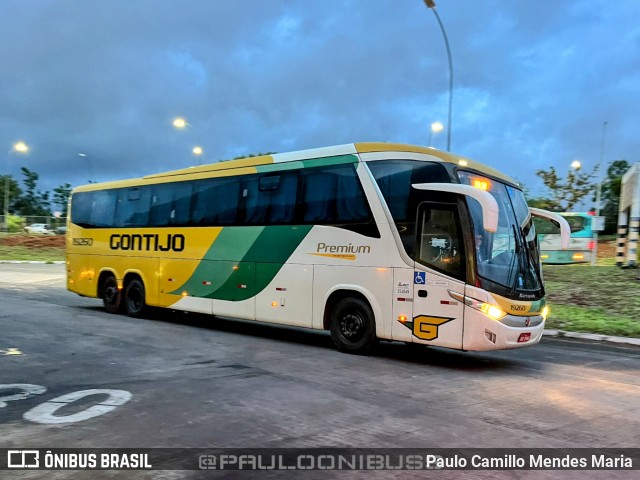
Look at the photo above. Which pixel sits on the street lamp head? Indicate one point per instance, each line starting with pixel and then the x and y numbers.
pixel 197 150
pixel 576 165
pixel 437 127
pixel 430 3
pixel 179 122
pixel 20 147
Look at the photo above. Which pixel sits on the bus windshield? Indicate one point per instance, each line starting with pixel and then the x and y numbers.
pixel 509 257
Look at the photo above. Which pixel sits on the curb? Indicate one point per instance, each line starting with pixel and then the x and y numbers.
pixel 591 336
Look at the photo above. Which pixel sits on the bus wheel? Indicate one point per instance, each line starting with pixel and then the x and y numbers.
pixel 134 298
pixel 352 325
pixel 111 295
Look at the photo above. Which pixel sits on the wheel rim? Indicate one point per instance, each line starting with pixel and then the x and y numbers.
pixel 134 299
pixel 111 294
pixel 352 326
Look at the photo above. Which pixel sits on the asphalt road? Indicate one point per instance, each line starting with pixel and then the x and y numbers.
pixel 197 381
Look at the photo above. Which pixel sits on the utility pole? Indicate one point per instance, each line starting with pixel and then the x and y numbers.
pixel 431 5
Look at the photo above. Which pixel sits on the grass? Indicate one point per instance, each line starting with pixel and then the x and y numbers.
pixel 602 299
pixel 17 252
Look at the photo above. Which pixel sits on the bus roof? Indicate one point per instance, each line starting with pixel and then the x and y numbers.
pixel 247 165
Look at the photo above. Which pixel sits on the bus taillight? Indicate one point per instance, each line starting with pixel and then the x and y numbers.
pixel 591 244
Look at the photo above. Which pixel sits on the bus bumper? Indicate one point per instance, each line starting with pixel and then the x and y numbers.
pixel 482 333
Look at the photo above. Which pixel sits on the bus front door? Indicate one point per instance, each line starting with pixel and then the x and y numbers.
pixel 437 316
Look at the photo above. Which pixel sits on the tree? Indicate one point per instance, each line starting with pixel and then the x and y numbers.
pixel 610 193
pixel 33 201
pixel 543 203
pixel 248 156
pixel 61 196
pixel 565 194
pixel 14 191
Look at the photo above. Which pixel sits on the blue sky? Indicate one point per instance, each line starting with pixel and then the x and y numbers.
pixel 533 81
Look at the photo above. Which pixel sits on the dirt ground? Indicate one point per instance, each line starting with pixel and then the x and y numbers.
pixel 32 241
pixel 607 249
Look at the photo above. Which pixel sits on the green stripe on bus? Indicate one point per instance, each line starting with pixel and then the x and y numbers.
pixel 218 263
pixel 327 161
pixel 262 262
pixel 243 261
pixel 312 162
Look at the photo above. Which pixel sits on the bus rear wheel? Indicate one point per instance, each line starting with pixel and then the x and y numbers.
pixel 134 298
pixel 111 296
pixel 352 325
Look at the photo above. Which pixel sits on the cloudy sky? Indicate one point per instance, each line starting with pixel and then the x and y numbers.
pixel 533 81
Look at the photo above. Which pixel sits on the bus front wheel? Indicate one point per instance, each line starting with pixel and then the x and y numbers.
pixel 352 325
pixel 134 298
pixel 111 295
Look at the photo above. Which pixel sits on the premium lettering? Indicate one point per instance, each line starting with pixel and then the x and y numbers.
pixel 148 241
pixel 324 248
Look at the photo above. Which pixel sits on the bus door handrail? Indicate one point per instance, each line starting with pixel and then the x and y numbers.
pixel 490 210
pixel 558 221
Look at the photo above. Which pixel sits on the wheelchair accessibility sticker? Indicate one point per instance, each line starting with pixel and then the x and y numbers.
pixel 420 278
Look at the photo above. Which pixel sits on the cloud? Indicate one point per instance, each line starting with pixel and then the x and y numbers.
pixel 533 80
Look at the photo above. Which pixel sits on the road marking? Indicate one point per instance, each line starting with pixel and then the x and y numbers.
pixel 44 413
pixel 28 390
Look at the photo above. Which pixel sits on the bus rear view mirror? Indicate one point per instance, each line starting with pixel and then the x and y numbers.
pixel 558 221
pixel 490 211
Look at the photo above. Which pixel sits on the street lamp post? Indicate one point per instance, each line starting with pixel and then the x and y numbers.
pixel 19 147
pixel 92 172
pixel 431 5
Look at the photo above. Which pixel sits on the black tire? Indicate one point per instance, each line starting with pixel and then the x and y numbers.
pixel 134 298
pixel 352 325
pixel 111 297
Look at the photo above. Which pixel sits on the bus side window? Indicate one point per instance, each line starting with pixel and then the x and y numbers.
pixel 283 199
pixel 319 195
pixel 133 207
pixel 215 201
pixel 81 204
pixel 170 204
pixel 352 205
pixel 103 210
pixel 333 196
pixel 255 206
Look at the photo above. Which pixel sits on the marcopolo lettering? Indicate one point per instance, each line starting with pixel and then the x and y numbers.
pixel 147 241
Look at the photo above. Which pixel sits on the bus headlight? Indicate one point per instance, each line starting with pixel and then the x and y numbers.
pixel 545 312
pixel 489 310
pixel 492 311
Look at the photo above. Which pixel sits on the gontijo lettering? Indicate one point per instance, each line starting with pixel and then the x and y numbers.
pixel 148 241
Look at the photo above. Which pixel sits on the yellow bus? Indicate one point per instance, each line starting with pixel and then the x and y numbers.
pixel 367 240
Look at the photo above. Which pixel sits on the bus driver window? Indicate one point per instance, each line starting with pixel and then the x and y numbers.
pixel 439 244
